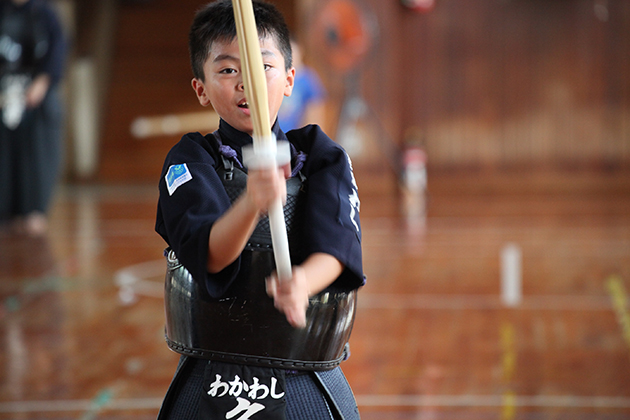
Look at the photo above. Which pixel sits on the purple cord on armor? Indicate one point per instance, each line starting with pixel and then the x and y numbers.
pixel 299 160
pixel 299 163
pixel 228 152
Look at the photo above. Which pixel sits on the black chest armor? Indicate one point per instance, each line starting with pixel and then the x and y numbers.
pixel 243 326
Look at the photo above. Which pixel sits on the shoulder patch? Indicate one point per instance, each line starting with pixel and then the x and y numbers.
pixel 176 176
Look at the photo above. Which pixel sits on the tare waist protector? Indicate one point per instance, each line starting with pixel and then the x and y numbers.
pixel 243 326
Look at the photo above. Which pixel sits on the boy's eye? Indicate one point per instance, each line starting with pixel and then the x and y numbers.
pixel 267 66
pixel 227 71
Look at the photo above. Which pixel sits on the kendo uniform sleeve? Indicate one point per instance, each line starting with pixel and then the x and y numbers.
pixel 54 61
pixel 192 198
pixel 332 223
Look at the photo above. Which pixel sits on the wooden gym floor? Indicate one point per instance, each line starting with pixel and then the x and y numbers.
pixel 437 335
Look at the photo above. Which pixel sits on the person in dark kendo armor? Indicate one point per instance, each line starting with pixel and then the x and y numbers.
pixel 253 347
pixel 32 54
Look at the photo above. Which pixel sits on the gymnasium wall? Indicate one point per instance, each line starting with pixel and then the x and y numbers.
pixel 489 84
pixel 503 83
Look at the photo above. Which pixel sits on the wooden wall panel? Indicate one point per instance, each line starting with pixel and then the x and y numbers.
pixel 523 83
pixel 504 83
pixel 150 76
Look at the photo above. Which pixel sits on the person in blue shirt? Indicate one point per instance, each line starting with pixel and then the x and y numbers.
pixel 251 346
pixel 306 105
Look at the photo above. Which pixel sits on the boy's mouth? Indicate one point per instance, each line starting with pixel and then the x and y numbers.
pixel 244 105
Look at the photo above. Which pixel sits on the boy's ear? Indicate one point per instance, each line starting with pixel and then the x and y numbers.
pixel 200 90
pixel 288 88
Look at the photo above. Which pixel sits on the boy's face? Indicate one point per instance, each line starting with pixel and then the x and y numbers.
pixel 223 85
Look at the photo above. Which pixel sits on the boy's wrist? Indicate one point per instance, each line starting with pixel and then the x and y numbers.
pixel 250 204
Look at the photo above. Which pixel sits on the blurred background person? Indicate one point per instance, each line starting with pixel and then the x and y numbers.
pixel 306 103
pixel 32 54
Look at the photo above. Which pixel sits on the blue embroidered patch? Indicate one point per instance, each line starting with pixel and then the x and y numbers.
pixel 176 176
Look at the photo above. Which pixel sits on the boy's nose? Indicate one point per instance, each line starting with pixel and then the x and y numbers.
pixel 240 86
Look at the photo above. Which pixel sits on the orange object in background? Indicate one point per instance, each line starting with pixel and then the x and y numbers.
pixel 343 29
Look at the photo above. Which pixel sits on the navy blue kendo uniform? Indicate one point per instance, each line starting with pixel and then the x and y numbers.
pixel 239 353
pixel 31 44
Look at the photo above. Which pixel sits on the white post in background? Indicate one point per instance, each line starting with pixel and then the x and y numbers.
pixel 85 116
pixel 414 188
pixel 511 275
pixel 87 82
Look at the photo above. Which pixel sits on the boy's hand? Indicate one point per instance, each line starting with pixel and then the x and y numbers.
pixel 290 296
pixel 37 90
pixel 265 186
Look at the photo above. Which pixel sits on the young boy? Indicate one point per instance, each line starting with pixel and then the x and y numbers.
pixel 254 347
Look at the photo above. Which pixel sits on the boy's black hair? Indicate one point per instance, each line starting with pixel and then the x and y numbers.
pixel 215 22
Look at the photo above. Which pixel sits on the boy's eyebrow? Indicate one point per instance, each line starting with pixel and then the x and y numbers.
pixel 222 57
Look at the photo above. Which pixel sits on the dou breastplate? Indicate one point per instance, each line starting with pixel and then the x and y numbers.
pixel 243 326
